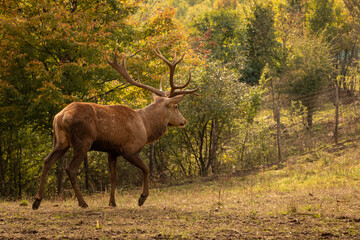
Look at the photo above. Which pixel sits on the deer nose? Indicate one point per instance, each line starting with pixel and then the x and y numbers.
pixel 184 122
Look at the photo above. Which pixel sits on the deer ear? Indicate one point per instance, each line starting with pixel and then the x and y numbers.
pixel 174 100
pixel 154 96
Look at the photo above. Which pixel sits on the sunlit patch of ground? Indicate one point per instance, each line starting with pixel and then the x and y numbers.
pixel 308 200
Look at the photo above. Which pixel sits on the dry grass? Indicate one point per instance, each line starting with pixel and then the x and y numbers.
pixel 308 200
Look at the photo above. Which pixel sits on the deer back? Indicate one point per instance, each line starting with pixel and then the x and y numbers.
pixel 109 128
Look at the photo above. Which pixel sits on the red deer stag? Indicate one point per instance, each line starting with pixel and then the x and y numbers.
pixel 115 129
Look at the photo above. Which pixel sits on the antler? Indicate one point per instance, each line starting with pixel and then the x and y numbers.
pixel 123 72
pixel 121 68
pixel 172 66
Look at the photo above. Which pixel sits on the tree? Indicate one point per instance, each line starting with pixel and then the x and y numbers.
pixel 225 4
pixel 212 119
pixel 52 53
pixel 320 16
pixel 309 71
pixel 223 37
pixel 260 41
pixel 346 40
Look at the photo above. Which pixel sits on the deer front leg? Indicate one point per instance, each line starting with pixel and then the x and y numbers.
pixel 113 178
pixel 136 161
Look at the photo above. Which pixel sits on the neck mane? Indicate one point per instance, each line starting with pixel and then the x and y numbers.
pixel 154 121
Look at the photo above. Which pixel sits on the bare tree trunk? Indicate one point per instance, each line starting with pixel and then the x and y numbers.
pixel 243 165
pixel 10 167
pixel 336 114
pixel 278 128
pixel 273 99
pixel 214 146
pixel 202 159
pixel 19 171
pixel 309 117
pixel 2 172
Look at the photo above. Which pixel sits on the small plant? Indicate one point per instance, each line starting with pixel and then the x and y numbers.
pixel 308 208
pixel 292 208
pixel 98 226
pixel 24 203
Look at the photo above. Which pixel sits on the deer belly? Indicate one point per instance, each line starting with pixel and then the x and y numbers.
pixel 104 146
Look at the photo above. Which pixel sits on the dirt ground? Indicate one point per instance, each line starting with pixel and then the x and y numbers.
pixel 198 212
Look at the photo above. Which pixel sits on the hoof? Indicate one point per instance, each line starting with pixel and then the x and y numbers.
pixel 36 204
pixel 142 199
pixel 83 205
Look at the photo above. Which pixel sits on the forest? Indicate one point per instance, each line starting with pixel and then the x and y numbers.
pixel 278 79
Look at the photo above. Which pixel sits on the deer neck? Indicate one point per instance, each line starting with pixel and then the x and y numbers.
pixel 154 121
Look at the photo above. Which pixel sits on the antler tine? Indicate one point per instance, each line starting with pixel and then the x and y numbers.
pixel 171 64
pixel 172 72
pixel 159 54
pixel 176 62
pixel 183 92
pixel 121 68
pixel 160 87
pixel 184 85
pixel 115 56
pixel 138 77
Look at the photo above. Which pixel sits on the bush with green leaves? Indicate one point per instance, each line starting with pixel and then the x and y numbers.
pixel 203 146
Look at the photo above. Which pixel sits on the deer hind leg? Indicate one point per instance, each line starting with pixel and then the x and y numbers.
pixel 73 167
pixel 136 161
pixel 55 154
pixel 113 178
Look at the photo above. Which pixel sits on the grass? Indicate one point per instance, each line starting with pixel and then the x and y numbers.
pixel 313 197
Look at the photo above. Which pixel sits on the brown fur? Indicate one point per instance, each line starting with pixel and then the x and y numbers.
pixel 115 129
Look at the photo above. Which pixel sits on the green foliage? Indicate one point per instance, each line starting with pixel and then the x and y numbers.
pixel 52 52
pixel 223 36
pixel 311 65
pixel 260 41
pixel 213 119
pixel 321 15
pixel 21 151
pixel 24 203
pixel 310 69
pixel 187 10
pixel 225 4
pixel 295 5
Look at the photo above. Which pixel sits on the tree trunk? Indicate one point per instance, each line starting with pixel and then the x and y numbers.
pixel 214 146
pixel 19 171
pixel 309 117
pixel 243 164
pixel 2 172
pixel 202 160
pixel 336 114
pixel 278 129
